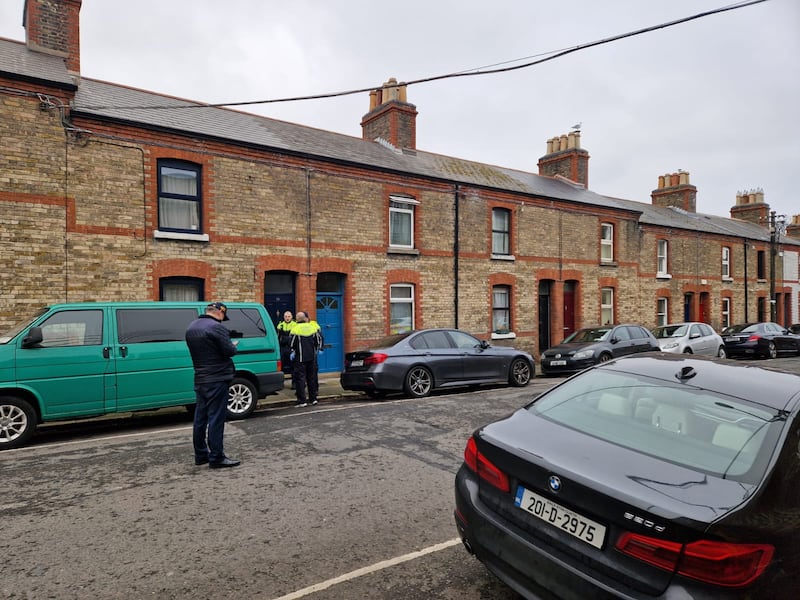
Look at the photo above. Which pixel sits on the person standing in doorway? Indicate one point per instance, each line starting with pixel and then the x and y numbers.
pixel 304 343
pixel 212 350
pixel 284 335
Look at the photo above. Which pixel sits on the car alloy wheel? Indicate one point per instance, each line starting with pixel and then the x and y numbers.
pixel 520 372
pixel 419 382
pixel 772 351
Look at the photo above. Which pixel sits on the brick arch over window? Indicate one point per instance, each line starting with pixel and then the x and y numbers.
pixel 181 267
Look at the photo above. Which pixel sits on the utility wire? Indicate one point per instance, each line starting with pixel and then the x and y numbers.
pixel 552 55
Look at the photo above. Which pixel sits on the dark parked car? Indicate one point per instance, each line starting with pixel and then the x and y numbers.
pixel 795 328
pixel 760 339
pixel 658 476
pixel 592 345
pixel 418 362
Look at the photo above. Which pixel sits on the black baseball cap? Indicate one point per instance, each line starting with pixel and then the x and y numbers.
pixel 220 306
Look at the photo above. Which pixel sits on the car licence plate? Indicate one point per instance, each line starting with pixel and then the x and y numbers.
pixel 356 363
pixel 573 523
pixel 558 363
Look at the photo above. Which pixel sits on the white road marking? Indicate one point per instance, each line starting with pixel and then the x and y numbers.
pixel 379 566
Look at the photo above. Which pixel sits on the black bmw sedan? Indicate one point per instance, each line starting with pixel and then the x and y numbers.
pixel 418 362
pixel 654 476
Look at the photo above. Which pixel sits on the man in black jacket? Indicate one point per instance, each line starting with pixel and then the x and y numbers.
pixel 211 348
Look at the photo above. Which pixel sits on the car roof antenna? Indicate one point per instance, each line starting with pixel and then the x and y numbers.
pixel 686 373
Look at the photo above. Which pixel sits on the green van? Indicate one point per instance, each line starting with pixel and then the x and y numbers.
pixel 89 359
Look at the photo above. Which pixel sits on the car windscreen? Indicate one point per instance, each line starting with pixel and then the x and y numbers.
pixel 390 340
pixel 669 331
pixel 696 428
pixel 594 334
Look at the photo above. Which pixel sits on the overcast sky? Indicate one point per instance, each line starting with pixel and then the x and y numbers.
pixel 718 97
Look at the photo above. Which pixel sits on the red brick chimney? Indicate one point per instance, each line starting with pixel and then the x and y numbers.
pixel 566 158
pixel 750 206
pixel 53 27
pixel 675 190
pixel 390 117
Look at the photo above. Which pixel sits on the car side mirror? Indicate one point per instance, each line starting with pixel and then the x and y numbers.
pixel 33 339
pixel 694 336
pixel 614 340
pixel 484 345
pixel 236 334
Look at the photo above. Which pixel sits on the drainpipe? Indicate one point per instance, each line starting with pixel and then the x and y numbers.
pixel 308 221
pixel 746 299
pixel 455 255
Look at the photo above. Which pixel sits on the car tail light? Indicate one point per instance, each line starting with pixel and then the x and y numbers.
pixel 754 338
pixel 719 563
pixel 375 359
pixel 481 465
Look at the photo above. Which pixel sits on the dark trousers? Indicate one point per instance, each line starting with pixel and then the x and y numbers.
pixel 305 375
pixel 210 412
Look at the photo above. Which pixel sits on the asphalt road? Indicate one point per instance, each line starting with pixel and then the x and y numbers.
pixel 354 489
pixel 348 499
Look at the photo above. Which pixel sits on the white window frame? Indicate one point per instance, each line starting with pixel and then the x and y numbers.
pixel 501 313
pixel 401 295
pixel 607 306
pixel 726 264
pixel 662 311
pixel 726 312
pixel 398 206
pixel 662 251
pixel 607 242
pixel 504 235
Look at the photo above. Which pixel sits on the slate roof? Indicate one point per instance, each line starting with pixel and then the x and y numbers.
pixel 17 60
pixel 99 99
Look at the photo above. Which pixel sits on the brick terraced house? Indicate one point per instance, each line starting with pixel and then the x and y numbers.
pixel 104 198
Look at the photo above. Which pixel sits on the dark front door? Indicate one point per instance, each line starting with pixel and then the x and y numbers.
pixel 544 315
pixel 569 308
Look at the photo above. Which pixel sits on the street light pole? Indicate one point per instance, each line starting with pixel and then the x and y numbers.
pixel 776 224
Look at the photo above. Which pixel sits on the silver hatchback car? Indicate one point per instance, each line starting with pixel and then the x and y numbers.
pixel 690 338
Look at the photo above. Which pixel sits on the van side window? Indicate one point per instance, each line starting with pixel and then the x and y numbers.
pixel 143 325
pixel 245 323
pixel 72 328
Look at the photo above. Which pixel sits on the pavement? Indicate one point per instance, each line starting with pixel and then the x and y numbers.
pixel 329 389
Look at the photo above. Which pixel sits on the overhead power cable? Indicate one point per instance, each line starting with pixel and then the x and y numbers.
pixel 548 56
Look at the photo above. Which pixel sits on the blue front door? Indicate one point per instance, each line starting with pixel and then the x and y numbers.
pixel 329 317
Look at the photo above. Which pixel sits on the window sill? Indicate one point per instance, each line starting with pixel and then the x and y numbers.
pixel 174 235
pixel 727 279
pixel 504 336
pixel 663 276
pixel 608 263
pixel 508 257
pixel 406 251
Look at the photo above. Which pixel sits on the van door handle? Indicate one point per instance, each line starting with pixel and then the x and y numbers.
pixel 123 351
pixel 106 352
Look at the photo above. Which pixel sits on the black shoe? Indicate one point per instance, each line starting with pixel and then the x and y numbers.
pixel 201 461
pixel 225 462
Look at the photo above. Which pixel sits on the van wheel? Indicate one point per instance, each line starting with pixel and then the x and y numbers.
pixel 242 399
pixel 17 422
